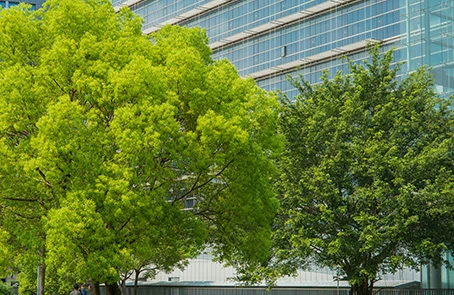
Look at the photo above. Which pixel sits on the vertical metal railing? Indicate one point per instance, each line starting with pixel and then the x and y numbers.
pixel 194 290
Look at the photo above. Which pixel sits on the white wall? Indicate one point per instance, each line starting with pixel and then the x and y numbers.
pixel 205 270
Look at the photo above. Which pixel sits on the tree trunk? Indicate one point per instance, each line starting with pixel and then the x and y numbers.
pixel 113 289
pixel 363 288
pixel 96 289
pixel 136 281
pixel 123 286
pixel 41 276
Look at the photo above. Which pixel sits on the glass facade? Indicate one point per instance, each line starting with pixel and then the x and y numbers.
pixel 271 39
pixel 35 4
pixel 438 277
pixel 421 31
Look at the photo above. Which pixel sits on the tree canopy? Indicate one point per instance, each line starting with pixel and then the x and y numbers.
pixel 106 137
pixel 367 173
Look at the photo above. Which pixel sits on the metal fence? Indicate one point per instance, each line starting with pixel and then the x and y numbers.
pixel 167 290
pixel 187 290
pixel 190 290
pixel 415 292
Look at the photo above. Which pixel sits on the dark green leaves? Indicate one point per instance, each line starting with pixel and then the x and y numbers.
pixel 368 163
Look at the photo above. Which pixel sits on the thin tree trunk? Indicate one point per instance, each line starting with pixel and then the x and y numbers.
pixel 123 286
pixel 136 281
pixel 42 276
pixel 94 287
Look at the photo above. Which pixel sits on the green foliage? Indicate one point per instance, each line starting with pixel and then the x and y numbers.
pixel 367 183
pixel 106 133
pixel 5 289
pixel 5 254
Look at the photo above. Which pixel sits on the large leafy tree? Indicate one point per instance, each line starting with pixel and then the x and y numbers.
pixel 367 183
pixel 106 134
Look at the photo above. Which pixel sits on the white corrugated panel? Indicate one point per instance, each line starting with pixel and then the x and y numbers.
pixel 203 269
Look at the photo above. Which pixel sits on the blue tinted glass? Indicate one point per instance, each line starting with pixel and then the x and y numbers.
pixel 402 24
pixel 2 4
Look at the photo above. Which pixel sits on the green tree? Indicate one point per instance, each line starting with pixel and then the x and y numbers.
pixel 5 254
pixel 106 134
pixel 367 184
pixel 5 289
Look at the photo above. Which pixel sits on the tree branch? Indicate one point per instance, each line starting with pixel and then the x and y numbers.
pixel 58 85
pixel 188 192
pixel 26 217
pixel 124 224
pixel 20 200
pixel 44 178
pixel 216 193
pixel 194 187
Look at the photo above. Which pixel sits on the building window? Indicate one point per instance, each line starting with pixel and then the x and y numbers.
pixel 284 51
pixel 8 4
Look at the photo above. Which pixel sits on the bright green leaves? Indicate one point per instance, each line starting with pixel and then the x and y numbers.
pixel 20 36
pixel 78 242
pixel 139 80
pixel 145 128
pixel 106 136
pixel 173 41
pixel 218 131
pixel 74 19
pixel 5 253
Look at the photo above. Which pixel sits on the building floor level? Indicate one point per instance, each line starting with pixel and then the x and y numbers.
pixel 35 4
pixel 269 39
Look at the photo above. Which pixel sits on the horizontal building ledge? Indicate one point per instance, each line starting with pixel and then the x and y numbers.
pixel 283 21
pixel 187 15
pixel 313 59
pixel 126 3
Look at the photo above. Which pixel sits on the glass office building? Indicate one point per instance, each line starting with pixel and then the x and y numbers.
pixel 438 277
pixel 36 4
pixel 269 39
